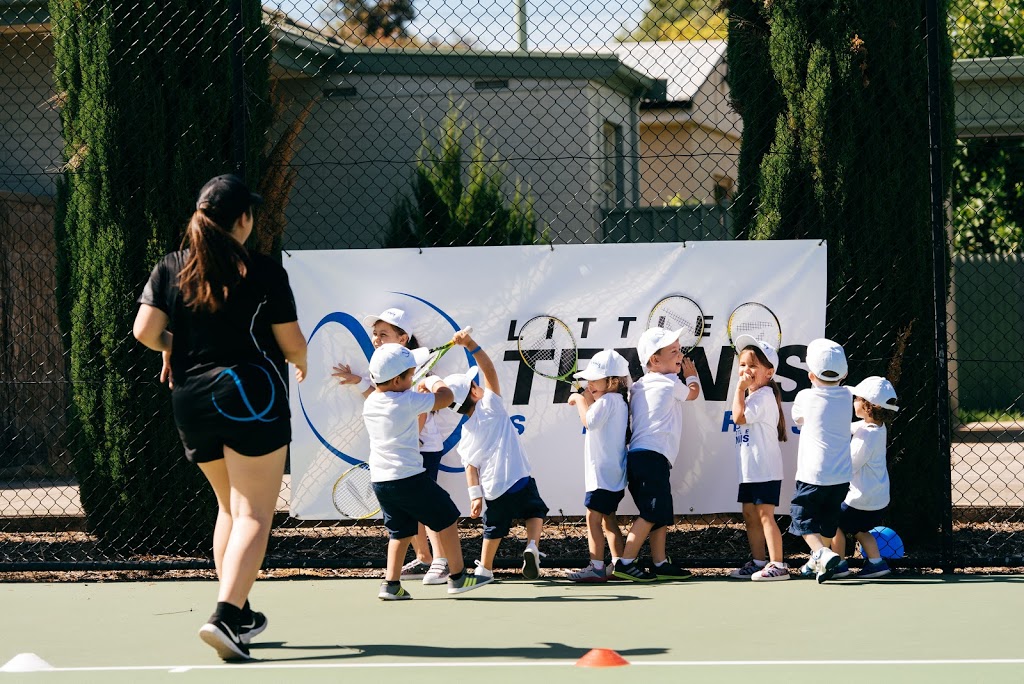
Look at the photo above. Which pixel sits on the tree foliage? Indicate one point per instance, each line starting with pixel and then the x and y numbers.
pixel 833 97
pixel 383 23
pixel 145 123
pixel 446 211
pixel 680 20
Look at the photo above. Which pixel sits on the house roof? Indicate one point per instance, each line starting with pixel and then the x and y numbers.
pixel 684 64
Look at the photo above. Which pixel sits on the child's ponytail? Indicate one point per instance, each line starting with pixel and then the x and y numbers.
pixel 783 437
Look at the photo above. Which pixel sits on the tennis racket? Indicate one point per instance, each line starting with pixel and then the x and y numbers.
pixel 756 320
pixel 353 493
pixel 426 359
pixel 678 312
pixel 548 348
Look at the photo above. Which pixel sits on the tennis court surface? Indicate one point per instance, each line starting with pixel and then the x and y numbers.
pixel 929 628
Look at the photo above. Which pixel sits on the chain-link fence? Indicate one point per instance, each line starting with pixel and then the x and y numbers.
pixel 893 133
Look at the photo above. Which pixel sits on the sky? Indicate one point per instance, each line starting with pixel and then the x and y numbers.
pixel 491 24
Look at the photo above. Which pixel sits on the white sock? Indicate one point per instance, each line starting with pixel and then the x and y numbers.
pixel 532 545
pixel 760 564
pixel 598 565
pixel 627 561
pixel 615 560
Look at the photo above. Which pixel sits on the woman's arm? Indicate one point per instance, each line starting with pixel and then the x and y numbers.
pixel 292 343
pixel 150 328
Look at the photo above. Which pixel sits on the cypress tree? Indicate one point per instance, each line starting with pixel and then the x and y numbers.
pixel 848 162
pixel 146 117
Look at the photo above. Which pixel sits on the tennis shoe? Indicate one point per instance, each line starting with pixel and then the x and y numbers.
pixel 481 571
pixel 393 593
pixel 826 561
pixel 438 572
pixel 773 572
pixel 224 639
pixel 414 569
pixel 531 563
pixel 807 570
pixel 871 569
pixel 254 625
pixel 468 582
pixel 589 575
pixel 842 570
pixel 746 572
pixel 632 572
pixel 669 571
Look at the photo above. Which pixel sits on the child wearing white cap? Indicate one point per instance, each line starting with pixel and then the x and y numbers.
pixel 407 495
pixel 656 408
pixel 823 469
pixel 760 426
pixel 497 468
pixel 874 402
pixel 604 413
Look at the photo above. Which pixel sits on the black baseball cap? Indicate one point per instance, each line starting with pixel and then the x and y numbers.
pixel 226 198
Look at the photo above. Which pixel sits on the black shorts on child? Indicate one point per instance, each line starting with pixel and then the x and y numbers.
pixel 522 500
pixel 759 493
pixel 853 520
pixel 647 476
pixel 604 501
pixel 815 508
pixel 413 500
pixel 432 462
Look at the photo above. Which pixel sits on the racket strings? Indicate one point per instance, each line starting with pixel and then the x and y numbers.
pixel 353 494
pixel 548 348
pixel 679 316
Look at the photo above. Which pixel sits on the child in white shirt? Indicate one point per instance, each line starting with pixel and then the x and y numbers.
pixel 604 413
pixel 497 469
pixel 874 402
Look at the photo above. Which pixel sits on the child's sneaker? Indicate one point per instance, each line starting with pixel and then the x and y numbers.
pixel 773 572
pixel 826 560
pixel 668 571
pixel 414 569
pixel 531 563
pixel 255 624
pixel 225 640
pixel 393 593
pixel 468 582
pixel 438 572
pixel 589 575
pixel 878 568
pixel 632 572
pixel 842 570
pixel 807 570
pixel 746 572
pixel 481 571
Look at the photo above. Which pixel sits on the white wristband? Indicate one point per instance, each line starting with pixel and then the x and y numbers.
pixel 476 492
pixel 364 384
pixel 431 382
pixel 692 380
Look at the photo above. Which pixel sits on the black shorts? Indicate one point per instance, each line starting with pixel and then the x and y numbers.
pixel 432 462
pixel 759 493
pixel 854 520
pixel 815 508
pixel 604 501
pixel 413 500
pixel 524 503
pixel 647 475
pixel 243 407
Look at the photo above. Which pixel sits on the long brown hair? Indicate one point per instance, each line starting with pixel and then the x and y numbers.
pixel 776 390
pixel 216 263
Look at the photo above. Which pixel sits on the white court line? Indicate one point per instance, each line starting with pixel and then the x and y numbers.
pixel 177 669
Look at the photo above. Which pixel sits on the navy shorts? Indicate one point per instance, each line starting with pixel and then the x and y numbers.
pixel 413 500
pixel 759 493
pixel 853 520
pixel 647 475
pixel 815 508
pixel 432 462
pixel 603 501
pixel 243 407
pixel 524 503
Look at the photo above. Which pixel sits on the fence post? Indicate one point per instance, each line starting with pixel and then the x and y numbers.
pixel 939 267
pixel 238 88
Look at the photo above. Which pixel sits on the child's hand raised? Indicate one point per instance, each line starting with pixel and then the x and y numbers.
pixel 345 376
pixel 689 367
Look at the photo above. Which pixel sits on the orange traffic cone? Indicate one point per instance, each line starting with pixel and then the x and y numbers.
pixel 601 657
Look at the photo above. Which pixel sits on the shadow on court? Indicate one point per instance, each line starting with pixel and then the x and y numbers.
pixel 938 580
pixel 543 651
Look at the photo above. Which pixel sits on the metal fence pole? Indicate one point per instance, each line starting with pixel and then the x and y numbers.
pixel 238 88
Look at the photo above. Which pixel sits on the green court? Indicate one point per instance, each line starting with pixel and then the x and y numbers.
pixel 929 628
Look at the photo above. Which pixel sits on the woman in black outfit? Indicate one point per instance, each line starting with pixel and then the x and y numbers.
pixel 225 322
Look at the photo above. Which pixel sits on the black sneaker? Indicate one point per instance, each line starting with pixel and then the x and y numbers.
pixel 256 623
pixel 669 571
pixel 632 572
pixel 225 640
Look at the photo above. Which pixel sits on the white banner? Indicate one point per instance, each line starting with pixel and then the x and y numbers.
pixel 604 293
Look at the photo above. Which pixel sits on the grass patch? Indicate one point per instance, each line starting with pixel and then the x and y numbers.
pixel 991 415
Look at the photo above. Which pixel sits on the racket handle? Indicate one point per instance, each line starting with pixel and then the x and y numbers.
pixel 467 330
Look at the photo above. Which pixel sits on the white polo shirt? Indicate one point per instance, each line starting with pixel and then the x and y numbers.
pixel 604 451
pixel 757 441
pixel 491 444
pixel 823 453
pixel 656 406
pixel 431 439
pixel 392 423
pixel 869 488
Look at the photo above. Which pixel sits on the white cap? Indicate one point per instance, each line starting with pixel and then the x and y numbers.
pixel 389 361
pixel 654 339
pixel 605 364
pixel 394 316
pixel 827 360
pixel 878 391
pixel 744 341
pixel 460 384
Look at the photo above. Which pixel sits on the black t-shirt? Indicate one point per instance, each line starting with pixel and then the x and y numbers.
pixel 239 332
